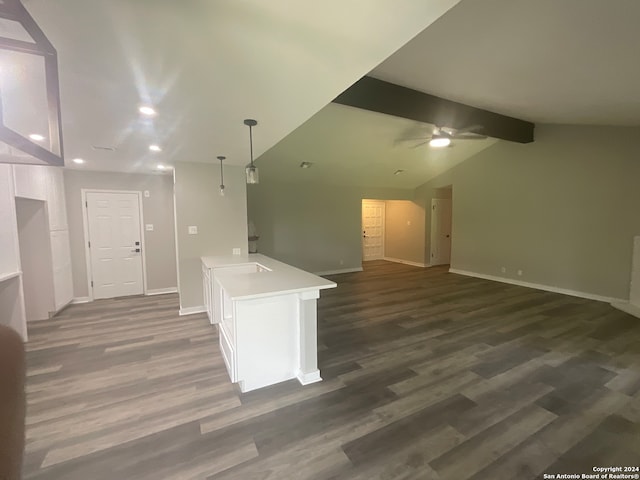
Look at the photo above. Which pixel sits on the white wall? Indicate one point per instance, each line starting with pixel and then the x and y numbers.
pixel 563 209
pixel 221 222
pixel 160 256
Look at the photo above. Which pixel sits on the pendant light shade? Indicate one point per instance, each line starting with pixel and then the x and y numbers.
pixel 221 158
pixel 251 170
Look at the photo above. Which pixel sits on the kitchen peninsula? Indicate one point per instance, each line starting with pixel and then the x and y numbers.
pixel 266 315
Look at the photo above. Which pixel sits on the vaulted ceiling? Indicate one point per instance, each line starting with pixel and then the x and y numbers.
pixel 350 146
pixel 568 62
pixel 546 61
pixel 206 66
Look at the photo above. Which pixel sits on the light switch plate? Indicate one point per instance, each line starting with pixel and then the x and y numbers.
pixel 149 227
pixel 147 194
pixel 193 230
pixel 236 251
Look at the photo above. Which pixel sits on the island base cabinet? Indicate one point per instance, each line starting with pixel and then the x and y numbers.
pixel 266 341
pixel 228 355
pixel 266 315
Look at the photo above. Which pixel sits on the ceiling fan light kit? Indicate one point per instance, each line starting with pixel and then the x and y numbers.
pixel 443 137
pixel 439 141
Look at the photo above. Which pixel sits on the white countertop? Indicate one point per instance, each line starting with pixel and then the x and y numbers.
pixel 282 279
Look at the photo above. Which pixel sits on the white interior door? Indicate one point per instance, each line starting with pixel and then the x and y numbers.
pixel 440 231
pixel 372 230
pixel 115 244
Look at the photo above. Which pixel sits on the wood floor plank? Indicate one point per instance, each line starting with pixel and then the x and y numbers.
pixel 427 375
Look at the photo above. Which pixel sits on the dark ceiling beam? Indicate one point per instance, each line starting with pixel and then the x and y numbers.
pixel 376 95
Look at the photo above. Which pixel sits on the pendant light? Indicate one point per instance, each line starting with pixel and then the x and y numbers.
pixel 221 158
pixel 251 170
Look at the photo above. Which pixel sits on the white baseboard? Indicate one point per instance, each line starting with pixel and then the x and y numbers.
pixel 81 300
pixel 538 286
pixel 307 378
pixel 192 310
pixel 162 291
pixel 336 272
pixel 627 307
pixel 406 262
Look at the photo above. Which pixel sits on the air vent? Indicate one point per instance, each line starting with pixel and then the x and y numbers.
pixel 100 147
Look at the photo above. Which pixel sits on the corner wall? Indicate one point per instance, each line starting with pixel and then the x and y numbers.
pixel 315 227
pixel 404 231
pixel 221 222
pixel 563 209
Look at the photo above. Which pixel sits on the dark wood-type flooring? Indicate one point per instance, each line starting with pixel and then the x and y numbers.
pixel 427 375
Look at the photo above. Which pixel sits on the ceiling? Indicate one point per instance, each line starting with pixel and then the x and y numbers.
pixel 546 61
pixel 206 66
pixel 354 147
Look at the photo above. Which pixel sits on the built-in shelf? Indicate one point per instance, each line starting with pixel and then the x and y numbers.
pixel 9 276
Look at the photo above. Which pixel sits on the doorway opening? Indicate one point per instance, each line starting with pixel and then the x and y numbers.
pixel 373 229
pixel 35 258
pixel 441 226
pixel 114 243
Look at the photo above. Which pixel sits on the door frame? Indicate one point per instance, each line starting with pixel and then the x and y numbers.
pixel 85 228
pixel 384 225
pixel 431 242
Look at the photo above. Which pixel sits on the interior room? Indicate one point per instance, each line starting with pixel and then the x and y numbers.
pixel 285 240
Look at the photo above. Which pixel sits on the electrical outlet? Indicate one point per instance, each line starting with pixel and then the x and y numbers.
pixel 341 262
pixel 149 227
pixel 503 269
pixel 146 194
pixel 193 230
pixel 519 273
pixel 236 251
pixel 408 223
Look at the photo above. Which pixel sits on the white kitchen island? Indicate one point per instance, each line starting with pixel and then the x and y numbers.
pixel 266 315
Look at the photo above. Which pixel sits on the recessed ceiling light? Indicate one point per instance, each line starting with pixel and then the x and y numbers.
pixel 79 161
pixel 161 167
pixel 155 148
pixel 147 110
pixel 37 137
pixel 306 165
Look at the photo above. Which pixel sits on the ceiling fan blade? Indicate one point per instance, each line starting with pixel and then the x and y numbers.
pixel 470 129
pixel 470 136
pixel 422 143
pixel 401 141
pixel 413 139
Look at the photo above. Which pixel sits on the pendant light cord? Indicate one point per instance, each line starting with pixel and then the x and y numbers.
pixel 251 142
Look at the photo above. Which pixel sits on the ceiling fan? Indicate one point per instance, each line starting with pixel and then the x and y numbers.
pixel 443 136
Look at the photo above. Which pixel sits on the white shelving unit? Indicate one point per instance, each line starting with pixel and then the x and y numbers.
pixel 12 311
